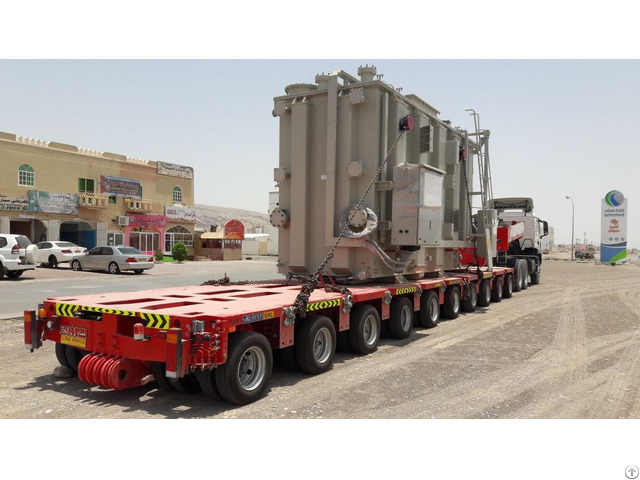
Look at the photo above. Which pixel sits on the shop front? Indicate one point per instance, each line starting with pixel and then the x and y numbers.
pixel 146 232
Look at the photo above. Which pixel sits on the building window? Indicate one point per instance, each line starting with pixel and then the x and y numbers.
pixel 177 195
pixel 26 176
pixel 112 199
pixel 86 185
pixel 175 235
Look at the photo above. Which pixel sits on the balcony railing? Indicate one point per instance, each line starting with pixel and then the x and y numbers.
pixel 93 200
pixel 138 205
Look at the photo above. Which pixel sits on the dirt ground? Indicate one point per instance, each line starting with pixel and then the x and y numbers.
pixel 568 348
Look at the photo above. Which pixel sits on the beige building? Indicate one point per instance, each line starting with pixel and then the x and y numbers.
pixel 54 191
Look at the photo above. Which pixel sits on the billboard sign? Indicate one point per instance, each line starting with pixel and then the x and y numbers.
pixel 613 239
pixel 48 202
pixel 121 187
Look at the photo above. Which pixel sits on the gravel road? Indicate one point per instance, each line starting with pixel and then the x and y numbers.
pixel 567 348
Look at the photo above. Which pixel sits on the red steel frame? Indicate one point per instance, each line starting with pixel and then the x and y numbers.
pixel 188 327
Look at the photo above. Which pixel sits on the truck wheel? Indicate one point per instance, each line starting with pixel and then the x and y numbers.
pixel 451 305
pixel 496 291
pixel 207 380
pixel 364 329
pixel 159 371
pixel 429 314
pixel 524 268
pixel 470 303
pixel 61 355
pixel 246 374
pixel 187 384
pixel 535 276
pixel 400 318
pixel 484 297
pixel 74 355
pixel 507 291
pixel 315 345
pixel 517 275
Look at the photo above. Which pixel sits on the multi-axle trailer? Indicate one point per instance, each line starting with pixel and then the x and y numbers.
pixel 222 338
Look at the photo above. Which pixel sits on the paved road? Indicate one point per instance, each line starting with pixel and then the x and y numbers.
pixel 34 286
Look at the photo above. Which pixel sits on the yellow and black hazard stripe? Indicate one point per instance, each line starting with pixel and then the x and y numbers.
pixel 66 309
pixel 152 320
pixel 312 307
pixel 156 320
pixel 402 291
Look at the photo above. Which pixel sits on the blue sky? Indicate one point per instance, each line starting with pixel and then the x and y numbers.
pixel 558 127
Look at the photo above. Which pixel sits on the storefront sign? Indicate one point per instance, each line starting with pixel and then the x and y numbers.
pixel 174 170
pixel 13 203
pixel 180 214
pixel 147 223
pixel 47 202
pixel 121 187
pixel 613 240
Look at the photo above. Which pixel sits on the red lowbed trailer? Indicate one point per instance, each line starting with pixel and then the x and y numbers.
pixel 221 338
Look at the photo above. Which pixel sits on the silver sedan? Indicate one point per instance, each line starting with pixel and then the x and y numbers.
pixel 113 260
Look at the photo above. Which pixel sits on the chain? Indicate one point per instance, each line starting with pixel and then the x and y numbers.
pixel 300 303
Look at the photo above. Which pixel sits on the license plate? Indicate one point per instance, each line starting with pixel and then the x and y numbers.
pixel 74 336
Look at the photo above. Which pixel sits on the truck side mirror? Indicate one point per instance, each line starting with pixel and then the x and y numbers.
pixel 545 228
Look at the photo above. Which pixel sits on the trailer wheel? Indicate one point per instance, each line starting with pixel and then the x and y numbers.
pixel 507 291
pixel 74 355
pixel 207 380
pixel 159 370
pixel 496 291
pixel 470 303
pixel 61 355
pixel 524 268
pixel 187 384
pixel 364 329
pixel 451 305
pixel 429 314
pixel 484 298
pixel 246 374
pixel 315 345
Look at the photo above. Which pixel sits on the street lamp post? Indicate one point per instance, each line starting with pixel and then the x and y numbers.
pixel 573 210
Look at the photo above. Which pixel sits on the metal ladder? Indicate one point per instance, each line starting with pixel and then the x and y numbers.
pixel 486 219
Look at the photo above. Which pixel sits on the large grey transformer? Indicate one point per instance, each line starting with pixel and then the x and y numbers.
pixel 335 135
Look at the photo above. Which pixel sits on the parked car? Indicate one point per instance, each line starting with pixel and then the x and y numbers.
pixel 53 253
pixel 113 259
pixel 17 254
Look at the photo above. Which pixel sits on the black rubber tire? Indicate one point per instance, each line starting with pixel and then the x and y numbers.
pixel 76 266
pixel 187 384
pixel 507 290
pixel 52 261
pixel 517 276
pixel 364 329
pixel 114 269
pixel 288 358
pixel 14 273
pixel 74 355
pixel 535 277
pixel 207 380
pixel 343 341
pixel 400 318
pixel 429 314
pixel 1 271
pixel 245 347
pixel 61 355
pixel 158 370
pixel 308 357
pixel 524 268
pixel 484 297
pixel 470 303
pixel 496 290
pixel 138 271
pixel 451 307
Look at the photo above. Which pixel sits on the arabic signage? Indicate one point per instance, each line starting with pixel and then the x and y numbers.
pixel 47 202
pixel 613 239
pixel 174 170
pixel 180 214
pixel 120 187
pixel 13 203
pixel 147 223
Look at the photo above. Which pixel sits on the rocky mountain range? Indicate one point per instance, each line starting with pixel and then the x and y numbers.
pixel 207 215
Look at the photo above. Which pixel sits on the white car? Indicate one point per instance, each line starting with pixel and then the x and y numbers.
pixel 113 260
pixel 17 254
pixel 53 253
